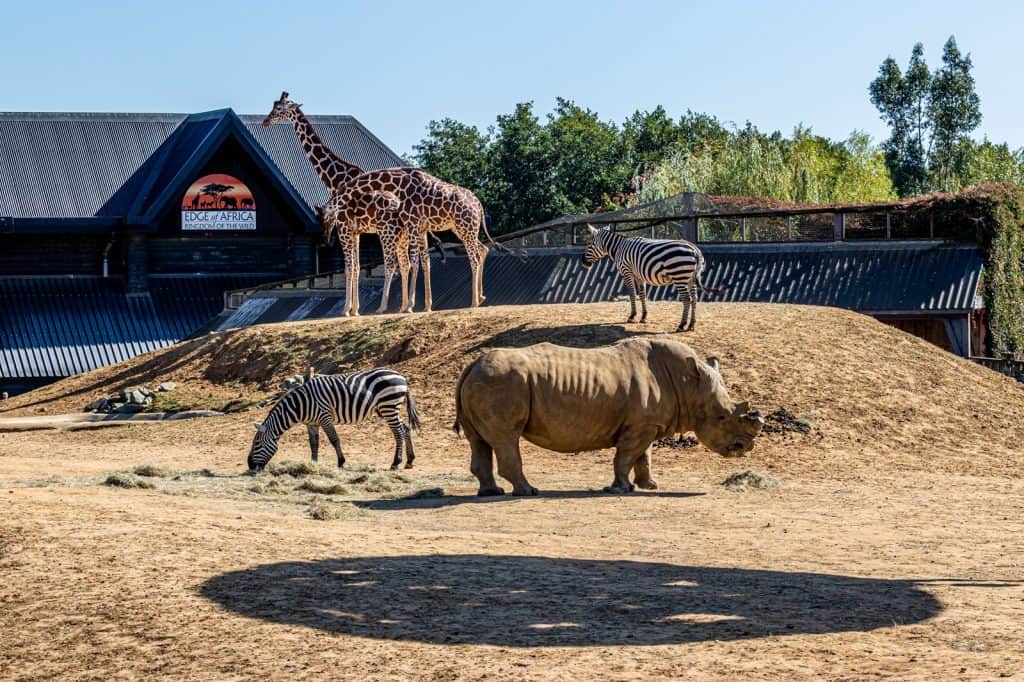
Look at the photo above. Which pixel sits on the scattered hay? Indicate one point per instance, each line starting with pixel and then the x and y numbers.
pixel 322 511
pixel 125 479
pixel 323 487
pixel 300 469
pixel 380 481
pixel 154 471
pixel 274 486
pixel 749 479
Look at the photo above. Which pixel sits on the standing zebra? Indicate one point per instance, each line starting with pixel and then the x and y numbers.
pixel 652 261
pixel 327 399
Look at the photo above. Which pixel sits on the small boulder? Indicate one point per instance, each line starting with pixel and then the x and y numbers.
pixel 146 391
pixel 292 382
pixel 98 405
pixel 130 408
pixel 166 386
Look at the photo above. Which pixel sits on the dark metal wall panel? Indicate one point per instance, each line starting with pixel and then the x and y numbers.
pixel 59 326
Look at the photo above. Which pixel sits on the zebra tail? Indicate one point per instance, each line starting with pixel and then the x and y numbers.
pixel 440 246
pixel 700 285
pixel 410 407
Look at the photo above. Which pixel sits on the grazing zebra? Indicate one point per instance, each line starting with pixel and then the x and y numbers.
pixel 327 399
pixel 652 261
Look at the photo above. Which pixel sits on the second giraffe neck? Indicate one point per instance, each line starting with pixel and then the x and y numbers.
pixel 332 169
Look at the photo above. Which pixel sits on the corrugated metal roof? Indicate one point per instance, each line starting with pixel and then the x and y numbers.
pixel 60 326
pixel 70 165
pixel 873 278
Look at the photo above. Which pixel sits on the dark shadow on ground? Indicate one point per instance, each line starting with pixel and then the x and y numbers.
pixel 573 335
pixel 525 601
pixel 426 502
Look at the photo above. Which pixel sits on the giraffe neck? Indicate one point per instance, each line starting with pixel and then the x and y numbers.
pixel 335 171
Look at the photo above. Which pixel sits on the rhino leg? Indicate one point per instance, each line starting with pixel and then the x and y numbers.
pixel 642 471
pixel 510 467
pixel 482 466
pixel 631 447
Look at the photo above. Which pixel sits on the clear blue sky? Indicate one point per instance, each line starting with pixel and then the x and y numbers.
pixel 397 65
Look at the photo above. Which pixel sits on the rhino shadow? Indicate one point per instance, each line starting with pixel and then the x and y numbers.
pixel 415 501
pixel 529 601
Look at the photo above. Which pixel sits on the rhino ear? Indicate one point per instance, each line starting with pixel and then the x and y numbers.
pixel 742 408
pixel 713 363
pixel 260 427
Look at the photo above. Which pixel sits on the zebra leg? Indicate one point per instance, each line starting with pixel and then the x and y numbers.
pixel 693 307
pixel 411 454
pixel 642 286
pixel 332 436
pixel 398 430
pixel 632 298
pixel 314 439
pixel 684 297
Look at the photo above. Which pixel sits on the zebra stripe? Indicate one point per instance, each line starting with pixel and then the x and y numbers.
pixel 657 262
pixel 329 399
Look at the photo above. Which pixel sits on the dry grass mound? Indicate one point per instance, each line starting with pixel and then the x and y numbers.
pixel 124 479
pixel 858 395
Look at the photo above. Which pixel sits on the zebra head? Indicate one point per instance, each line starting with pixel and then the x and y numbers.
pixel 597 249
pixel 263 448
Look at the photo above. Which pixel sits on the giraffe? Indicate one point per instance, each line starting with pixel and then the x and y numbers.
pixel 427 205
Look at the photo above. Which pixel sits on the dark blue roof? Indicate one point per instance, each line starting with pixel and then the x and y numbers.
pixel 59 326
pixel 71 165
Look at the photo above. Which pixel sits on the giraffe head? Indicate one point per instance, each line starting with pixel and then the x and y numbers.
pixel 283 110
pixel 597 249
pixel 356 206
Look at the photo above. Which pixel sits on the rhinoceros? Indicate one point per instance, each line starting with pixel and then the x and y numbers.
pixel 625 396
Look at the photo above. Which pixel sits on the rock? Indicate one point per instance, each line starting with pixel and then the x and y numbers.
pixel 146 391
pixel 137 397
pixel 130 408
pixel 98 405
pixel 166 386
pixel 293 381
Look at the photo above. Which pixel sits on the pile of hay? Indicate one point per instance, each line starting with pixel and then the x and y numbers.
pixel 125 479
pixel 749 479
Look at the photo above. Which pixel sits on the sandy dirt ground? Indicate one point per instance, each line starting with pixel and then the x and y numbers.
pixel 893 548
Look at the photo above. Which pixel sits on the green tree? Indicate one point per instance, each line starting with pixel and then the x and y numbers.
pixel 903 102
pixel 455 152
pixel 590 163
pixel 522 183
pixel 955 110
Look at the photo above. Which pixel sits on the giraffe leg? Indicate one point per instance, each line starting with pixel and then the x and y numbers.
pixel 474 267
pixel 404 256
pixel 428 294
pixel 346 252
pixel 415 255
pixel 390 263
pixel 355 275
pixel 480 272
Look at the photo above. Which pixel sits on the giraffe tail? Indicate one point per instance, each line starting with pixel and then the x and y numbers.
pixel 440 246
pixel 521 254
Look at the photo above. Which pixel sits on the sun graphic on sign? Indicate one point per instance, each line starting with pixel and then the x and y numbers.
pixel 218 192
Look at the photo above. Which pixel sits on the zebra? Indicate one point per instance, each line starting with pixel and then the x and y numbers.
pixel 326 399
pixel 652 261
